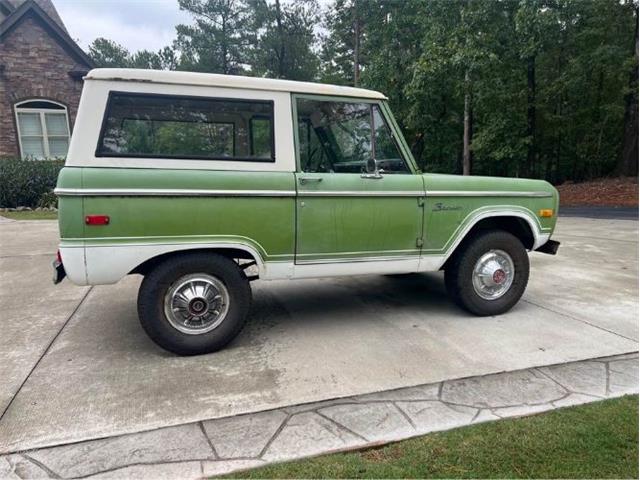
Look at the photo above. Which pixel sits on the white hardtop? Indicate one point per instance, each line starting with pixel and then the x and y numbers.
pixel 228 81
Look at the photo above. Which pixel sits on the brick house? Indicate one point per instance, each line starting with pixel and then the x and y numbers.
pixel 41 70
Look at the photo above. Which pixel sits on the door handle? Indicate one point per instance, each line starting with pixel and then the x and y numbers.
pixel 305 180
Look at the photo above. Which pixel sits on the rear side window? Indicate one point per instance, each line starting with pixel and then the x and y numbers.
pixel 168 126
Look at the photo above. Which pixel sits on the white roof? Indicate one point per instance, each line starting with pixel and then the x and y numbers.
pixel 231 81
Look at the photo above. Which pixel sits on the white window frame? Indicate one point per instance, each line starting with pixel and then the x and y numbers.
pixel 88 122
pixel 41 113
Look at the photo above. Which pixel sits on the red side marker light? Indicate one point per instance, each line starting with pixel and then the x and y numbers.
pixel 96 220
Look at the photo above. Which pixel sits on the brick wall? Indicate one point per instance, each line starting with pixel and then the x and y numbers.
pixel 34 65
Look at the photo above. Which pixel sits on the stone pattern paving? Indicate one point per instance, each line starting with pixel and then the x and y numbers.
pixel 225 445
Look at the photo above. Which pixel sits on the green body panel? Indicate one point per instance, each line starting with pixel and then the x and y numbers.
pixel 265 223
pixel 327 227
pixel 70 209
pixel 445 216
pixel 346 226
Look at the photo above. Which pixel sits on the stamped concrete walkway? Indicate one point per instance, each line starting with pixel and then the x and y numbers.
pixel 226 445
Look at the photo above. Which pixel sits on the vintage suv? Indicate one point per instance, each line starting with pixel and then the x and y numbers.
pixel 197 180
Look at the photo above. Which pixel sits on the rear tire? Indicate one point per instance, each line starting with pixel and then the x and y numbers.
pixel 488 273
pixel 194 303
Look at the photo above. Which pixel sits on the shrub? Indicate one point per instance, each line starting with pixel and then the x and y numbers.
pixel 27 183
pixel 48 200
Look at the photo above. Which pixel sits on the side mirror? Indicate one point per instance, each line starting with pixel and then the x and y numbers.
pixel 372 165
pixel 372 169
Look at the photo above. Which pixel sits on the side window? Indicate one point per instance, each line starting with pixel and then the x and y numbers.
pixel 164 126
pixel 387 152
pixel 339 137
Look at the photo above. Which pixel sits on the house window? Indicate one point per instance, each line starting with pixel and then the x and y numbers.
pixel 43 129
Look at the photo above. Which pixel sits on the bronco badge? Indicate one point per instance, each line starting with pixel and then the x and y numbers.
pixel 440 207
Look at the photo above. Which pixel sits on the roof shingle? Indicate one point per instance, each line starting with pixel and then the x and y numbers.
pixel 47 6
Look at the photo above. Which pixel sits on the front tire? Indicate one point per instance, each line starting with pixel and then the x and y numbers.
pixel 489 273
pixel 194 303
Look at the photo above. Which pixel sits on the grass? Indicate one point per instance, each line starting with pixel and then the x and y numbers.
pixel 598 440
pixel 30 215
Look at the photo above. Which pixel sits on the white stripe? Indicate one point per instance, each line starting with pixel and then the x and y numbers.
pixel 330 254
pixel 319 270
pixel 479 193
pixel 175 192
pixel 357 259
pixel 169 192
pixel 361 193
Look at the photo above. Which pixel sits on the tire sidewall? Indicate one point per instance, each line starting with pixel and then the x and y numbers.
pixel 494 240
pixel 151 298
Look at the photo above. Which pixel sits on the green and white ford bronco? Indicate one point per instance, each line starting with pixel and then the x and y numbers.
pixel 202 183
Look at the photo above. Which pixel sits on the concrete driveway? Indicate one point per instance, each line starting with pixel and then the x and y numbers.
pixel 76 365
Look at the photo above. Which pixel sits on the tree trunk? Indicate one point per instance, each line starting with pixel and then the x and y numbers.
pixel 628 164
pixel 282 52
pixel 356 45
pixel 531 115
pixel 468 128
pixel 225 48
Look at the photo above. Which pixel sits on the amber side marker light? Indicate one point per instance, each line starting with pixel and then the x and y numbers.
pixel 546 212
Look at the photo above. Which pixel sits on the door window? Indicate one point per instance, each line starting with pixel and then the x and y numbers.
pixel 340 137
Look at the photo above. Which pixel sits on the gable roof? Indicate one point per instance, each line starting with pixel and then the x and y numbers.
pixel 46 5
pixel 55 28
pixel 233 81
pixel 6 7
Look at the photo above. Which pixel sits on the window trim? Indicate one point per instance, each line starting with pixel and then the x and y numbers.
pixel 398 136
pixel 383 108
pixel 394 137
pixel 43 125
pixel 255 117
pixel 157 156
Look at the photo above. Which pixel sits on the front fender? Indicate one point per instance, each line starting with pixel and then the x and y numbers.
pixel 539 233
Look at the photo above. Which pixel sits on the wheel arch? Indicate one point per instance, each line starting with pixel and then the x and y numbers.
pixel 518 223
pixel 107 264
pixel 233 251
pixel 517 226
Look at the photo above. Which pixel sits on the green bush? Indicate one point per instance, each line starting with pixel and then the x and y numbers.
pixel 48 200
pixel 27 183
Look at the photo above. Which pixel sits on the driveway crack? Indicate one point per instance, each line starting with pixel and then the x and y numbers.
pixel 404 414
pixel 209 441
pixel 579 320
pixel 44 353
pixel 41 466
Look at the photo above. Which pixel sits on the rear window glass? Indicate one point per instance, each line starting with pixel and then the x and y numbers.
pixel 167 126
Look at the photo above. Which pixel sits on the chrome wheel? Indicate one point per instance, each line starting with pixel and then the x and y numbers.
pixel 196 304
pixel 493 274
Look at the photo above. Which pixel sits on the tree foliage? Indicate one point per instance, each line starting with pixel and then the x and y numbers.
pixel 109 54
pixel 547 79
pixel 220 38
pixel 545 88
pixel 285 39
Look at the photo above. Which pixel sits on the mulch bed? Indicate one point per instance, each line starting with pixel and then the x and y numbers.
pixel 605 192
